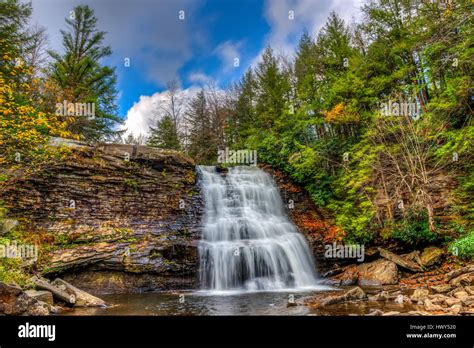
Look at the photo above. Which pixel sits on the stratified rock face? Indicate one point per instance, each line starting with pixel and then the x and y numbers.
pixel 120 208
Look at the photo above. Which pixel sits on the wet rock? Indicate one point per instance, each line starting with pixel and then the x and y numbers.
pixel 39 308
pixel 41 295
pixel 459 271
pixel 461 295
pixel 400 299
pixel 454 309
pixel 441 289
pixel 380 272
pixel 400 260
pixel 83 299
pixel 468 301
pixel 431 256
pixel 348 277
pixel 462 280
pixel 382 296
pixel 438 298
pixel 469 290
pixel 116 282
pixel 430 306
pixel 419 295
pixel 450 301
pixel 13 301
pixel 353 294
pixel 413 256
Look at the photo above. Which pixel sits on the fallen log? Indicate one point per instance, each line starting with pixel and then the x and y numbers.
pixel 58 293
pixel 83 298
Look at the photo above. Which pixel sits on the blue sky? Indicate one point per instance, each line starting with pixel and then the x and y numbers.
pixel 201 48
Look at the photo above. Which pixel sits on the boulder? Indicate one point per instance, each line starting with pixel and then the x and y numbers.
pixel 375 312
pixel 438 299
pixel 461 295
pixel 13 301
pixel 379 272
pixel 348 277
pixel 453 310
pixel 353 294
pixel 463 280
pixel 429 306
pixel 8 299
pixel 451 301
pixel 400 260
pixel 6 225
pixel 468 301
pixel 431 256
pixel 469 290
pixel 401 299
pixel 419 295
pixel 41 295
pixel 458 272
pixel 381 296
pixel 83 299
pixel 441 289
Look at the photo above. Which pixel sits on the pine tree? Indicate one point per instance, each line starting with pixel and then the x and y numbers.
pixel 202 140
pixel 164 135
pixel 81 77
pixel 272 90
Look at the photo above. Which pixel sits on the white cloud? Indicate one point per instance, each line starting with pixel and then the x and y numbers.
pixel 149 108
pixel 228 52
pixel 199 78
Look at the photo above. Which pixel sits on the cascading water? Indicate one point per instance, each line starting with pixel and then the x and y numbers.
pixel 248 242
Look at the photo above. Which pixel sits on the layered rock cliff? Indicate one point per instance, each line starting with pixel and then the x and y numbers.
pixel 113 218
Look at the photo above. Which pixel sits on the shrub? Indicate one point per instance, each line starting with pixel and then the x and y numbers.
pixel 414 229
pixel 464 246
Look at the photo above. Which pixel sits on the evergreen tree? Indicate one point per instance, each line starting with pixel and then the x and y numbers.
pixel 272 90
pixel 81 77
pixel 202 140
pixel 164 135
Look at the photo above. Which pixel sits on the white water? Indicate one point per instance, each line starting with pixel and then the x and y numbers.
pixel 248 242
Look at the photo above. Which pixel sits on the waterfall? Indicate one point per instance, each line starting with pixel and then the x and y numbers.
pixel 248 242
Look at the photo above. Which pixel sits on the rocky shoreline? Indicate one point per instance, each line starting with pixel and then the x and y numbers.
pixel 44 298
pixel 446 290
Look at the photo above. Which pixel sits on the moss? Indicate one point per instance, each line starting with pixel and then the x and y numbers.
pixel 132 183
pixel 12 273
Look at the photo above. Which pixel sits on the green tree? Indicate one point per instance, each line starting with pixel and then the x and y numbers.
pixel 82 78
pixel 202 142
pixel 164 135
